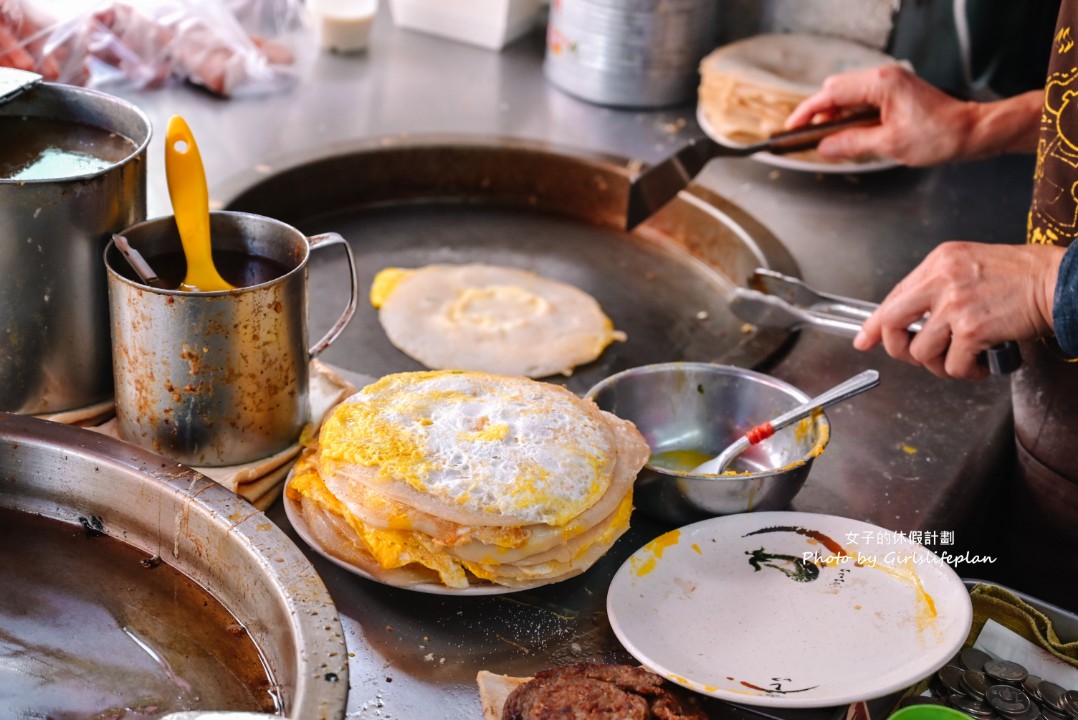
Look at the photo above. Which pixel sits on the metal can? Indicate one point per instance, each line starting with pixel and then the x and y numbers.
pixel 629 53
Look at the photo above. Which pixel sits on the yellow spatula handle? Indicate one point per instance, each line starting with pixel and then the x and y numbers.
pixel 191 206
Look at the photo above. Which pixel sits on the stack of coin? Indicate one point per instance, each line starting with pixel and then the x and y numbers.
pixel 988 688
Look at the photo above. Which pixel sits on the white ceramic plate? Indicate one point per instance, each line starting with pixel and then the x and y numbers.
pixel 699 608
pixel 793 162
pixel 300 526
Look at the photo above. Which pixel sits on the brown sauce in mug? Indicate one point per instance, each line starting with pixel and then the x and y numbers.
pixel 91 627
pixel 33 148
pixel 239 269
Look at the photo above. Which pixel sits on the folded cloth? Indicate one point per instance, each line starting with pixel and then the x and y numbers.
pixel 259 482
pixel 991 602
pixel 85 416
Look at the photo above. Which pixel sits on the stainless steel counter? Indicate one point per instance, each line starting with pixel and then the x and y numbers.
pixel 916 454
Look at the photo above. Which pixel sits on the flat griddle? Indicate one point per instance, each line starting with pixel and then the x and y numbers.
pixel 410 202
pixel 557 213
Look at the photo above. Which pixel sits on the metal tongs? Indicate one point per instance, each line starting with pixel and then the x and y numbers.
pixel 777 300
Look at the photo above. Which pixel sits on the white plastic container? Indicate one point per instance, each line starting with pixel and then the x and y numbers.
pixel 487 23
pixel 343 25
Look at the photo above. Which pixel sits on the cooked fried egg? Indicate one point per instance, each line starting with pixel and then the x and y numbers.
pixel 508 450
pixel 490 318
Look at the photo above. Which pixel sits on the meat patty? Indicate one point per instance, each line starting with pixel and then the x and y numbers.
pixel 626 677
pixel 590 691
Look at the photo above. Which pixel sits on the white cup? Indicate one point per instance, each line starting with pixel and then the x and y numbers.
pixel 343 25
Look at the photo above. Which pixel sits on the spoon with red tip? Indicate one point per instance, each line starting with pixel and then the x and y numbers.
pixel 854 386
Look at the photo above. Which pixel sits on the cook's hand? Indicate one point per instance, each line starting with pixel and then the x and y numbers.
pixel 919 125
pixel 975 296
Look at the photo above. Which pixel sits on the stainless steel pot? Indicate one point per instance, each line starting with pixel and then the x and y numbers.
pixel 199 528
pixel 638 54
pixel 55 352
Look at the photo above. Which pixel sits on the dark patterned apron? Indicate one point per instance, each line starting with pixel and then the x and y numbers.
pixel 1044 495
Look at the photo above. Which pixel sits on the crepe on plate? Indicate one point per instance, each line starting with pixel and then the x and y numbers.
pixel 490 318
pixel 748 88
pixel 461 478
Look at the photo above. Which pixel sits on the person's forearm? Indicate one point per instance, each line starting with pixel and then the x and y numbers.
pixel 1004 126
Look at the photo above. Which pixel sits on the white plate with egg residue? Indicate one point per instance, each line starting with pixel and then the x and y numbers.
pixel 789 609
pixel 806 161
pixel 295 517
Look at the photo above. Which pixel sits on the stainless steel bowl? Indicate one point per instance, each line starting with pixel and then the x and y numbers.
pixel 199 528
pixel 689 412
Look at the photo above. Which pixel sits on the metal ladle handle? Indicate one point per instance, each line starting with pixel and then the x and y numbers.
pixel 854 386
pixel 847 389
pixel 138 263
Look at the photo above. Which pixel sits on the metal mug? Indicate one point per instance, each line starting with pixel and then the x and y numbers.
pixel 54 324
pixel 216 378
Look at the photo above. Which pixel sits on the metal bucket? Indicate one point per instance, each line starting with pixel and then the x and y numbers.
pixel 55 352
pixel 638 54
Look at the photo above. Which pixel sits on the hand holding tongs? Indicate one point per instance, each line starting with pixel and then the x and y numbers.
pixel 778 300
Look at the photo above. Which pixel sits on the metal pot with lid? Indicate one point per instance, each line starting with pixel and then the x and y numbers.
pixel 72 172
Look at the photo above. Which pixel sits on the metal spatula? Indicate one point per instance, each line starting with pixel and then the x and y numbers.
pixel 658 184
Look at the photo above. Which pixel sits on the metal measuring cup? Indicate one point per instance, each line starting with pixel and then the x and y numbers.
pixel 217 378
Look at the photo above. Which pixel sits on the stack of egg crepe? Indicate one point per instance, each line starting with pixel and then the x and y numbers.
pixel 461 478
pixel 748 88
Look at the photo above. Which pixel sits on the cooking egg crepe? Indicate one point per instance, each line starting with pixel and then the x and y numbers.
pixel 491 319
pixel 464 478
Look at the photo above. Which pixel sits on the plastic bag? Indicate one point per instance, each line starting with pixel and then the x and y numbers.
pixel 28 42
pixel 230 47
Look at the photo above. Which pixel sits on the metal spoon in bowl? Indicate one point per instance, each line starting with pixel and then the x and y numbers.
pixel 854 386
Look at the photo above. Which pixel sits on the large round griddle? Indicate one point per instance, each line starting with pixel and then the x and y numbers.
pixel 413 202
